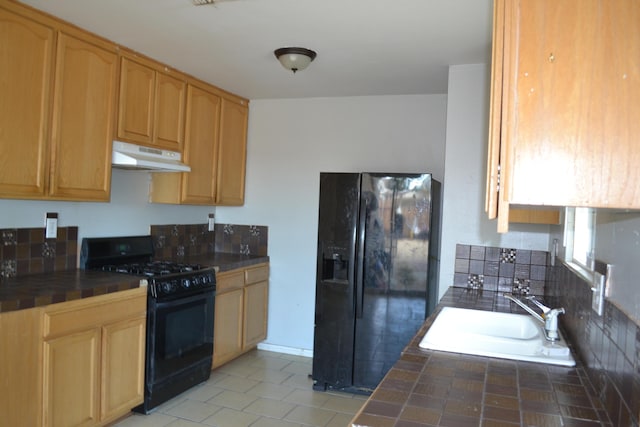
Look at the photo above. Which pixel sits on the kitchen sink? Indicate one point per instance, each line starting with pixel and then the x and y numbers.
pixel 495 334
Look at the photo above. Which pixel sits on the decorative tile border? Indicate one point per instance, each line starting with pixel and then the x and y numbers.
pixel 26 251
pixel 500 269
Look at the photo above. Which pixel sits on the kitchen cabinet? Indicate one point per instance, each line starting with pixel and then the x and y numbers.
pixel 151 105
pixel 240 312
pixel 215 149
pixel 564 118
pixel 93 358
pixel 21 367
pixel 25 124
pixel 232 153
pixel 56 112
pixel 83 105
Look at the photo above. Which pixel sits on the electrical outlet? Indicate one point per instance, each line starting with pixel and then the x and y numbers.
pixel 212 221
pixel 51 225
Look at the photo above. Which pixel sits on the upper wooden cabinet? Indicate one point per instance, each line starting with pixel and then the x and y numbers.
pixel 25 85
pixel 232 155
pixel 565 120
pixel 215 149
pixel 56 109
pixel 83 105
pixel 151 107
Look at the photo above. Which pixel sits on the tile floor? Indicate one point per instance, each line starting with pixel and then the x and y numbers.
pixel 259 389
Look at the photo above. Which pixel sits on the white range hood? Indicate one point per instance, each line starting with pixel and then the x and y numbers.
pixel 131 156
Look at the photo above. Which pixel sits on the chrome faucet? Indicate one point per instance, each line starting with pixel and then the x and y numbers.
pixel 549 316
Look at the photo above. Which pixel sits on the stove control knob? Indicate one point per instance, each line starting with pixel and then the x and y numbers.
pixel 186 283
pixel 196 281
pixel 205 279
pixel 167 287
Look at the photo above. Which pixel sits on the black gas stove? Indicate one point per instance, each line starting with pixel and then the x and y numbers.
pixel 180 313
pixel 134 255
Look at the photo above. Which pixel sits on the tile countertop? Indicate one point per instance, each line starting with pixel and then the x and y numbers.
pixel 35 290
pixel 434 388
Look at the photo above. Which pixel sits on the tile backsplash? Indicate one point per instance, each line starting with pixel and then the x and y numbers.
pixel 26 251
pixel 500 269
pixel 608 345
pixel 179 240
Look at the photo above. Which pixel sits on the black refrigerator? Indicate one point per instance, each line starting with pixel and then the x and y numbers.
pixel 377 273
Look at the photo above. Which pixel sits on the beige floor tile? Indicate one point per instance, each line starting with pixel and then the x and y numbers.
pixel 230 418
pixel 233 400
pixel 203 392
pixel 307 398
pixel 338 404
pixel 298 368
pixel 271 391
pixel 310 416
pixel 299 381
pixel 270 408
pixel 273 422
pixel 276 363
pixel 237 384
pixel 340 420
pixel 193 410
pixel 152 420
pixel 270 376
pixel 240 369
pixel 296 358
pixel 184 423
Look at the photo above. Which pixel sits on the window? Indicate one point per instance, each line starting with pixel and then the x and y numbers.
pixel 580 237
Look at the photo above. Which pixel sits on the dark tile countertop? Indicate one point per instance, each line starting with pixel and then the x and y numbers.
pixel 35 290
pixel 434 388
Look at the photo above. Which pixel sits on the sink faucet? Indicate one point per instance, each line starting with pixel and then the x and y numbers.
pixel 549 316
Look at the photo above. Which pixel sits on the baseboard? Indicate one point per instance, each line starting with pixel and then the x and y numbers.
pixel 286 350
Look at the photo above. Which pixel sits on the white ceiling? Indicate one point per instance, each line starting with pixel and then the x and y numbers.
pixel 365 47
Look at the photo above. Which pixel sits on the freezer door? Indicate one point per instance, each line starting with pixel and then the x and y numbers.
pixel 335 305
pixel 397 225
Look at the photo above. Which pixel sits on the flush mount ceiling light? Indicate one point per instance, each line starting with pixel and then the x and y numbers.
pixel 294 58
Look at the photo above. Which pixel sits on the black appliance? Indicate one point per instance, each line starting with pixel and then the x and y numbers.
pixel 377 269
pixel 180 310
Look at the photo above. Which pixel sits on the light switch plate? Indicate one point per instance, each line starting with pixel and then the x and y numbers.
pixel 51 225
pixel 212 222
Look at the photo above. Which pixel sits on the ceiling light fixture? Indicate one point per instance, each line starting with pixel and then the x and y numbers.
pixel 294 58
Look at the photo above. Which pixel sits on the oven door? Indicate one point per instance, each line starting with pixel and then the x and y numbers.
pixel 180 335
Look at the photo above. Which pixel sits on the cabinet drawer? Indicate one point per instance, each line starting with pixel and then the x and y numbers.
pixel 258 274
pixel 229 280
pixel 93 312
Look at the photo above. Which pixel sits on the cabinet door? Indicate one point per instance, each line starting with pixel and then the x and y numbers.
pixel 227 327
pixel 123 351
pixel 25 85
pixel 169 112
pixel 136 102
pixel 255 314
pixel 21 367
pixel 573 117
pixel 232 153
pixel 201 146
pixel 83 112
pixel 71 375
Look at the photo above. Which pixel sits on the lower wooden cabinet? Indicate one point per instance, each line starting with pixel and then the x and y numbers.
pixel 93 359
pixel 240 312
pixel 21 367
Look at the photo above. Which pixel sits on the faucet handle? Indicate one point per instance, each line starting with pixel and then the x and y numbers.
pixel 541 306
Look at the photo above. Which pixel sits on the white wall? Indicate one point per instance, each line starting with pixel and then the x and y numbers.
pixel 464 219
pixel 290 143
pixel 128 212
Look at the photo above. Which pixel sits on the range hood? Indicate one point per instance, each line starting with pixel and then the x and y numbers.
pixel 131 156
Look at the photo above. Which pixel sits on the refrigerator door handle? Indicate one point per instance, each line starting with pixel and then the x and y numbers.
pixel 362 222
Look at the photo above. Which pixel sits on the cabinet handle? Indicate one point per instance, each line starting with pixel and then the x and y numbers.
pixel 551 57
